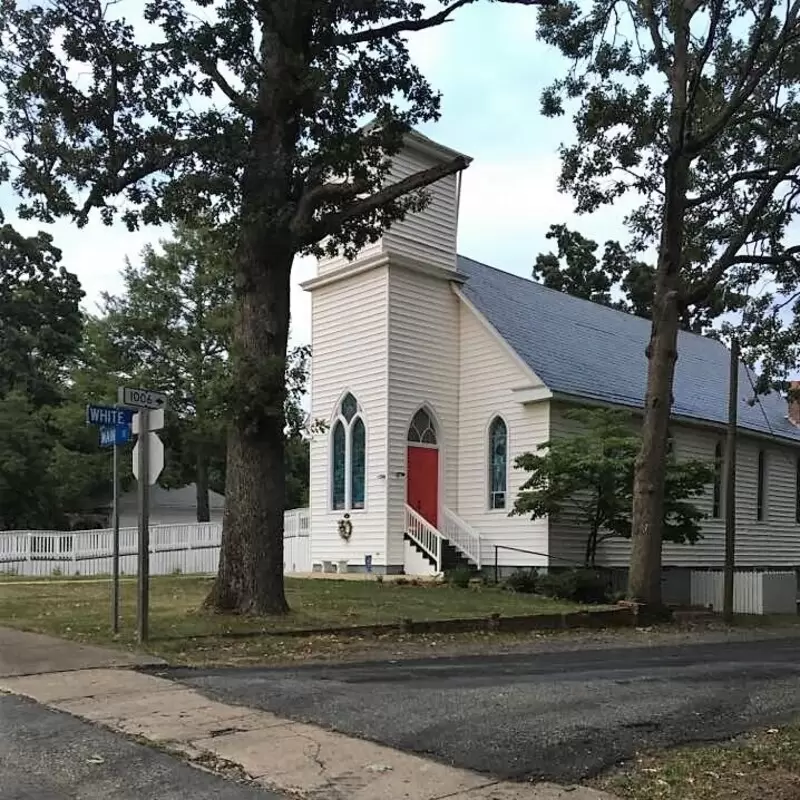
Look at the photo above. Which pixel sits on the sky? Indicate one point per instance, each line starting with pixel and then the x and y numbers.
pixel 490 69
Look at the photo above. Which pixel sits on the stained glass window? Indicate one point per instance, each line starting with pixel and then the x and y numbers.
pixel 349 407
pixel 358 438
pixel 498 445
pixel 339 454
pixel 348 464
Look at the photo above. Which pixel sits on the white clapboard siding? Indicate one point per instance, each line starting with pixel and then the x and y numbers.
pixel 349 342
pixel 191 548
pixel 772 542
pixel 423 370
pixel 487 376
pixel 428 235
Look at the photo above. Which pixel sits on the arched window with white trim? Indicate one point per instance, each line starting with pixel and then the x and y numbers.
pixel 498 463
pixel 348 459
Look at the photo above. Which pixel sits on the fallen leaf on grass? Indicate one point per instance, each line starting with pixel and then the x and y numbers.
pixel 95 760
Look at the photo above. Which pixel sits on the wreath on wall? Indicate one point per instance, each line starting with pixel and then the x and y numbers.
pixel 345 527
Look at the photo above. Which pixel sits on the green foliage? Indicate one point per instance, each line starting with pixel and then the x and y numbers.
pixel 578 585
pixel 523 581
pixel 576 269
pixel 459 577
pixel 40 318
pixel 588 476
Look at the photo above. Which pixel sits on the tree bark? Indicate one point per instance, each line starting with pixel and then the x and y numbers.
pixel 201 486
pixel 250 575
pixel 644 577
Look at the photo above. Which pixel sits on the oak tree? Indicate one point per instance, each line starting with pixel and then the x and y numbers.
pixel 691 105
pixel 253 110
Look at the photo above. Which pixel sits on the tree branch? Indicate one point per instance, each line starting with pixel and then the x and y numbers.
pixel 784 257
pixel 646 7
pixel 705 54
pixel 408 25
pixel 729 183
pixel 239 101
pixel 330 223
pixel 704 287
pixel 314 197
pixel 746 87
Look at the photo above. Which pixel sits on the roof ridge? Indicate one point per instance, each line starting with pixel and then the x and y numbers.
pixel 627 314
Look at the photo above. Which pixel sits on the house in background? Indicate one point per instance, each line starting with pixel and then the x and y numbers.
pixel 434 372
pixel 168 506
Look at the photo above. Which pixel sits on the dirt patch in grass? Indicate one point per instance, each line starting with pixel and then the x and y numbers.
pixel 758 766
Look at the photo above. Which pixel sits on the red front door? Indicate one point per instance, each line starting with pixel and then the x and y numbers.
pixel 423 482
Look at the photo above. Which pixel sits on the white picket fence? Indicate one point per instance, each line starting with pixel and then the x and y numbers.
pixel 191 548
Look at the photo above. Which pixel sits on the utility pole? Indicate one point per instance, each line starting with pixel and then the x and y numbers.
pixel 730 483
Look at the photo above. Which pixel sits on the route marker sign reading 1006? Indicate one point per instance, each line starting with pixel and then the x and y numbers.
pixel 141 398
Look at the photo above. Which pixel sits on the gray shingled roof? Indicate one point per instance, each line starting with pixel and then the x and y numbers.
pixel 587 350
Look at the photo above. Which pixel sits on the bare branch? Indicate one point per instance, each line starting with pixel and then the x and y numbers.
pixel 704 287
pixel 330 223
pixel 408 25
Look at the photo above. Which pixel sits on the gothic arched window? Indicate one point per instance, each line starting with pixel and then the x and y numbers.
pixel 348 462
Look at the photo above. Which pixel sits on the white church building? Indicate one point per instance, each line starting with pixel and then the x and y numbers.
pixel 433 372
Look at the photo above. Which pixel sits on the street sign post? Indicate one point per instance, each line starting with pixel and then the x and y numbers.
pixel 141 462
pixel 115 429
pixel 148 461
pixel 141 398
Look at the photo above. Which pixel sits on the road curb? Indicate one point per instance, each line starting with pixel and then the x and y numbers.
pixel 623 617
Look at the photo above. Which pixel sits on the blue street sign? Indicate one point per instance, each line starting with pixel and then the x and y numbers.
pixel 109 416
pixel 114 434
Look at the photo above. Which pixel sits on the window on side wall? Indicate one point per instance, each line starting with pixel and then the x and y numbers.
pixel 498 463
pixel 761 489
pixel 348 456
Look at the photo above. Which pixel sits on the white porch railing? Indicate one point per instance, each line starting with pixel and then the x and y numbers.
pixel 462 536
pixel 424 535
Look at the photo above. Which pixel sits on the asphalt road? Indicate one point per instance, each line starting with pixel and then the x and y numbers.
pixel 557 716
pixel 46 755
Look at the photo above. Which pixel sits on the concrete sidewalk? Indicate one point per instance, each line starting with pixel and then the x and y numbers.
pixel 273 752
pixel 23 653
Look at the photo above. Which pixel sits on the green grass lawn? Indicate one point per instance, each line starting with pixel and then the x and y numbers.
pixel 180 630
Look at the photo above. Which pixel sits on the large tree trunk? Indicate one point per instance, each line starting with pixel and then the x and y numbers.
pixel 201 486
pixel 250 576
pixel 644 581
